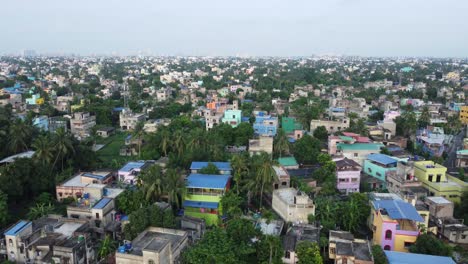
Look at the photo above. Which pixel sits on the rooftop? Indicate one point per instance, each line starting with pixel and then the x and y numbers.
pixel 198 165
pixel 397 209
pixel 382 159
pixel 360 146
pixel 156 240
pixel 207 181
pixel 395 257
pixel 439 200
pixel 26 154
pixel 133 165
pixel 102 203
pixel 287 161
pixel 17 228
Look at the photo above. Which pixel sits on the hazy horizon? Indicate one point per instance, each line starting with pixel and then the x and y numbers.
pixel 396 28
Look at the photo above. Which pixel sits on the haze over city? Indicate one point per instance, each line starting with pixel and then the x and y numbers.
pixel 253 28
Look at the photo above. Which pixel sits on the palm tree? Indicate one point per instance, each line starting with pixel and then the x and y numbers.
pixel 63 145
pixel 138 133
pixel 44 150
pixel 175 187
pixel 18 136
pixel 281 145
pixel 164 144
pixel 40 210
pixel 153 183
pixel 265 174
pixel 179 142
pixel 239 165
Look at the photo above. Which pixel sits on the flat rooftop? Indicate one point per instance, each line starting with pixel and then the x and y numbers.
pixel 274 227
pixel 67 228
pixel 155 241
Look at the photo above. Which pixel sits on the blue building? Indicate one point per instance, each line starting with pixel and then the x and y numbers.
pixel 41 122
pixel 395 257
pixel 378 165
pixel 223 167
pixel 265 125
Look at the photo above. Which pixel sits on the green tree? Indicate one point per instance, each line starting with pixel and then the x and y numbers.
pixel 165 141
pixel 265 174
pixel 44 152
pixel 138 133
pixel 19 136
pixel 424 118
pixel 63 145
pixel 231 204
pixel 107 246
pixel 209 169
pixel 3 208
pixel 321 133
pixel 214 248
pixel 355 211
pixel 40 210
pixel 308 253
pixel 430 245
pixel 241 170
pixel 175 187
pixel 153 185
pixel 269 250
pixel 281 144
pixel 306 150
pixel 379 255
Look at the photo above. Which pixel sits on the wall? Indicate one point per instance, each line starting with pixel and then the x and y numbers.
pixel 350 185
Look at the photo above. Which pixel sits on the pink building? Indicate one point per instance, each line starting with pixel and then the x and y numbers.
pixel 129 172
pixel 348 175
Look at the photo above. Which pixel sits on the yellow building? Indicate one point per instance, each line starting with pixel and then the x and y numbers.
pixel 464 114
pixel 434 178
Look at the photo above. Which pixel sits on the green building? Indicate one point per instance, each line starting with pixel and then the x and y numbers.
pixel 289 124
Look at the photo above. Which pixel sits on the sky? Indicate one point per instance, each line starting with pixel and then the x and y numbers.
pixel 436 28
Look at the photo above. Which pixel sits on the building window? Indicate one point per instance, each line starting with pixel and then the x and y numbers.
pixel 288 255
pixel 387 247
pixel 332 251
pixel 463 236
pixel 344 261
pixel 355 155
pixel 439 176
pixel 408 244
pixel 150 261
pixel 97 215
pixel 388 234
pixel 430 177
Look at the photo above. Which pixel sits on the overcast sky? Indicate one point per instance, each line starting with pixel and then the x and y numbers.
pixel 237 27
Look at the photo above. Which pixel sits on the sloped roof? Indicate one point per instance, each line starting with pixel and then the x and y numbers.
pixel 207 181
pixel 197 165
pixel 398 209
pixel 395 257
pixel 382 158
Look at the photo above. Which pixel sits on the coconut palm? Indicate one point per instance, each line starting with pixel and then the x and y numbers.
pixel 63 145
pixel 138 133
pixel 265 174
pixel 165 139
pixel 40 210
pixel 179 142
pixel 106 247
pixel 281 145
pixel 175 187
pixel 19 135
pixel 239 165
pixel 44 150
pixel 153 183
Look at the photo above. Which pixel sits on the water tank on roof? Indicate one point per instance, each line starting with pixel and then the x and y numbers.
pixel 86 195
pixel 122 249
pixel 128 245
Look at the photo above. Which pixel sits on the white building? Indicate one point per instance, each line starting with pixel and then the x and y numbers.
pixel 292 205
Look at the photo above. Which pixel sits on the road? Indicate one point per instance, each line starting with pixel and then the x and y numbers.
pixel 456 144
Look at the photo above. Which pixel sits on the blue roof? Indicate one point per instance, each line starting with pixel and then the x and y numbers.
pixel 210 205
pixel 337 109
pixel 381 158
pixel 102 203
pixel 397 209
pixel 118 109
pixel 395 257
pixel 16 228
pixel 94 176
pixel 132 165
pixel 207 181
pixel 197 165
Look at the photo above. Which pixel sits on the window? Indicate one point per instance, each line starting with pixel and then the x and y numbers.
pixel 430 177
pixel 344 261
pixel 387 247
pixel 354 179
pixel 438 177
pixel 288 255
pixel 463 236
pixel 355 155
pixel 332 251
pixel 369 169
pixel 408 244
pixel 97 215
pixel 388 234
pixel 150 261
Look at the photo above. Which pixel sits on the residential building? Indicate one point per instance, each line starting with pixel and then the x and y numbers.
pixel 154 245
pixel 63 103
pixel 129 172
pixel 232 117
pixel 41 122
pixel 358 151
pixel 348 175
pixel 462 158
pixel 292 205
pixel 75 186
pixel 57 122
pixel 412 258
pixel 464 114
pixel 332 126
pixel 50 239
pixel 35 99
pixel 344 248
pixel 223 167
pixel 128 120
pixel 402 179
pixel 262 144
pixel 105 132
pixel 163 94
pixel 378 165
pixel 431 140
pixel 282 179
pixel 212 118
pixel 81 124
pixel 265 125
pixel 295 234
pixel 394 223
pixel 288 163
pixel 203 196
pixel 435 179
pixel 151 126
pixel 289 124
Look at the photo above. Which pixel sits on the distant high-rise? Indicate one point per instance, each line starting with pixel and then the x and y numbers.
pixel 29 53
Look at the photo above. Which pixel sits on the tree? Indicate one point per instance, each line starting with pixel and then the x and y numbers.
pixel 174 186
pixel 44 152
pixel 138 133
pixel 321 133
pixel 265 174
pixel 3 208
pixel 355 211
pixel 165 140
pixel 306 149
pixel 19 136
pixel 424 118
pixel 308 253
pixel 214 248
pixel 62 145
pixel 240 168
pixel 107 246
pixel 231 204
pixel 281 143
pixel 153 183
pixel 209 169
pixel 379 255
pixel 40 210
pixel 430 245
pixel 269 250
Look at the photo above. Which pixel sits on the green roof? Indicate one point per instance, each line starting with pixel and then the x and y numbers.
pixel 345 138
pixel 287 161
pixel 360 146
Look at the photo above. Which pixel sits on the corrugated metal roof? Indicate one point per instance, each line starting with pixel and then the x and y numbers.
pixel 397 209
pixel 132 165
pixel 207 181
pixel 381 158
pixel 102 203
pixel 210 205
pixel 197 165
pixel 395 257
pixel 16 228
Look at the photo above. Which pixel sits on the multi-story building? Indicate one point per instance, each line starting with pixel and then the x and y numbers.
pixel 292 205
pixel 282 179
pixel 203 196
pixel 395 224
pixel 128 120
pixel 262 144
pixel 435 179
pixel 232 117
pixel 63 103
pixel 265 125
pixel 57 122
pixel 41 122
pixel 75 186
pixel 378 165
pixel 154 245
pixel 464 114
pixel 332 126
pixel 81 124
pixel 402 179
pixel 431 140
pixel 163 94
pixel 289 124
pixel 412 258
pixel 212 118
pixel 348 175
pixel 462 158
pixel 344 248
pixel 129 173
pixel 296 233
pixel 358 151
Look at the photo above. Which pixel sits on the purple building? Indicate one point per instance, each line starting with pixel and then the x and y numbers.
pixel 348 175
